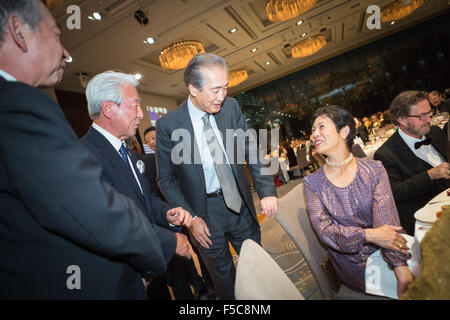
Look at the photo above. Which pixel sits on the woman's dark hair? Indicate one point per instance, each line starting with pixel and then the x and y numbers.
pixel 341 118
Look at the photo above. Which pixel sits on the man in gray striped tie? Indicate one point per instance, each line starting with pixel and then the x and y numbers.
pixel 210 181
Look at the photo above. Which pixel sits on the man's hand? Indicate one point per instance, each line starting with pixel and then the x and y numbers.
pixel 179 217
pixel 440 172
pixel 183 248
pixel 201 233
pixel 269 206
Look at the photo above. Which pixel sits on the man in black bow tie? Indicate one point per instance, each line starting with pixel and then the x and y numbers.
pixel 415 156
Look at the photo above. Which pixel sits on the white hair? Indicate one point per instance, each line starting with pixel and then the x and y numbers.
pixel 106 86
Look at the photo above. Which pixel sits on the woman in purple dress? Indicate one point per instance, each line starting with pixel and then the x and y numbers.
pixel 350 204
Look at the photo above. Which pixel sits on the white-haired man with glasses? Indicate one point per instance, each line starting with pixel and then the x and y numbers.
pixel 415 156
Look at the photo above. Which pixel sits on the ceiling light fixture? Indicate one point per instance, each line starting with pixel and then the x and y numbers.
pixel 237 76
pixel 398 10
pixel 233 30
pixel 97 16
pixel 138 76
pixel 304 34
pixel 308 46
pixel 149 40
pixel 299 22
pixel 253 50
pixel 281 10
pixel 178 55
pixel 267 63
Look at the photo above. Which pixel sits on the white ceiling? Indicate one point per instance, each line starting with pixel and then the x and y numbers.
pixel 117 41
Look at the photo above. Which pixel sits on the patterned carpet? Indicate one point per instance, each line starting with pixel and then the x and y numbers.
pixel 284 251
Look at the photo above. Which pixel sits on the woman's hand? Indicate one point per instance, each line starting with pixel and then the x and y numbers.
pixel 404 279
pixel 387 237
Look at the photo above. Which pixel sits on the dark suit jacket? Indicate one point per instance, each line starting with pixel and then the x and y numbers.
pixel 363 133
pixel 184 184
pixel 56 211
pixel 411 185
pixel 117 174
pixel 150 172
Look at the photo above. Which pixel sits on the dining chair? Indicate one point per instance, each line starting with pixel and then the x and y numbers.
pixel 293 217
pixel 319 158
pixel 259 277
pixel 358 151
pixel 302 163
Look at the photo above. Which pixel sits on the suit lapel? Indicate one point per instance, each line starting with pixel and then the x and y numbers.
pixel 115 160
pixel 184 122
pixel 438 146
pixel 411 160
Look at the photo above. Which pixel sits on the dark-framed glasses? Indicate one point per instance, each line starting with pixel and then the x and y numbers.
pixel 422 116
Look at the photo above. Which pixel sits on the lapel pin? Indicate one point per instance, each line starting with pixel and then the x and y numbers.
pixel 141 166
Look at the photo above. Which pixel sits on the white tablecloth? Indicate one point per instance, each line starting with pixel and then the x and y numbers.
pixel 379 279
pixel 421 228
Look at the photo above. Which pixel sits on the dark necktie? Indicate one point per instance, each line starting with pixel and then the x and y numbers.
pixel 425 142
pixel 227 182
pixel 123 153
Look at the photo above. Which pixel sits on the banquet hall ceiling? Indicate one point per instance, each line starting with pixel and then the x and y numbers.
pixel 117 41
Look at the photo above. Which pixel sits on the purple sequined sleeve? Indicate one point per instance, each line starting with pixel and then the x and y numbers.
pixel 384 212
pixel 340 216
pixel 345 239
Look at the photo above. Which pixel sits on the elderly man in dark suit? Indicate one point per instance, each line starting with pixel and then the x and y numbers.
pixel 209 182
pixel 414 156
pixel 64 232
pixel 114 107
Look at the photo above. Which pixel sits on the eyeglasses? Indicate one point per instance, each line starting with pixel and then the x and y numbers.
pixel 423 116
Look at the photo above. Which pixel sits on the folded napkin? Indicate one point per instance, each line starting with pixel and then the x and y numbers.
pixel 380 280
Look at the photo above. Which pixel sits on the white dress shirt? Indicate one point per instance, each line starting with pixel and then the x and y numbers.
pixel 211 179
pixel 116 143
pixel 426 153
pixel 7 76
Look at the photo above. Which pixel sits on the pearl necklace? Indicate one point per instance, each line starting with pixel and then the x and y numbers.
pixel 339 164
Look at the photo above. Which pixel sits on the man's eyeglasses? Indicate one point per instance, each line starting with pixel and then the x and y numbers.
pixel 423 116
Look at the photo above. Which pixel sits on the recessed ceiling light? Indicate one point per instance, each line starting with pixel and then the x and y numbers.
pixel 299 22
pixel 233 30
pixel 304 34
pixel 253 50
pixel 69 59
pixel 267 63
pixel 393 22
pixel 149 40
pixel 97 16
pixel 138 76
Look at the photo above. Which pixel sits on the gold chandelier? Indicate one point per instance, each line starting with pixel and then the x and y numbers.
pixel 308 47
pixel 178 55
pixel 281 10
pixel 397 10
pixel 236 77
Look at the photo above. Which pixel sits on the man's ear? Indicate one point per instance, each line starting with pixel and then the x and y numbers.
pixel 108 109
pixel 193 91
pixel 402 121
pixel 16 27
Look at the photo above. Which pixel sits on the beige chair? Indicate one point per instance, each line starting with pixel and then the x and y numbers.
pixel 293 217
pixel 258 276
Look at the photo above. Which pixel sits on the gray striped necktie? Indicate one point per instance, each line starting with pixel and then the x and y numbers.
pixel 227 182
